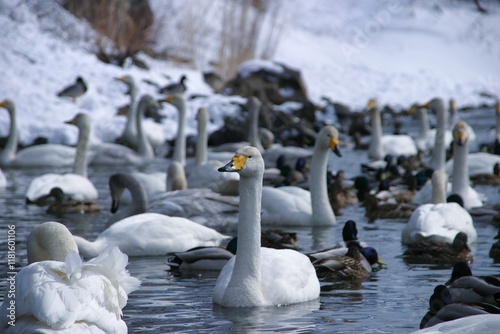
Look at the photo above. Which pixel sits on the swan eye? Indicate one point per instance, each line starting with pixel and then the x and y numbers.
pixel 249 157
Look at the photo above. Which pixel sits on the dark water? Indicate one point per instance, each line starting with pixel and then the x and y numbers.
pixel 392 301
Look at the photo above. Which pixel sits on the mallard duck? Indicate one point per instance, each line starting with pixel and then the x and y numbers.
pixel 75 90
pixel 464 287
pixel 63 204
pixel 492 179
pixel 340 196
pixel 355 265
pixel 58 292
pixel 278 239
pixel 429 251
pixel 442 309
pixel 175 87
pixel 495 249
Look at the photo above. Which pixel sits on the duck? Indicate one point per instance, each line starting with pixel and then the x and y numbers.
pixel 259 276
pixel 203 173
pixel 58 292
pixel 154 132
pixel 62 204
pixel 466 288
pixel 349 235
pixel 494 252
pixel 492 179
pixel 438 221
pixel 381 145
pixel 304 208
pixel 174 88
pixel 340 196
pixel 355 265
pixel 109 154
pixel 442 309
pixel 215 258
pixel 45 155
pixel 429 251
pixel 209 208
pixel 76 186
pixel 75 90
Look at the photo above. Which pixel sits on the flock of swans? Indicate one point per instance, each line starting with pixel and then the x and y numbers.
pixel 183 212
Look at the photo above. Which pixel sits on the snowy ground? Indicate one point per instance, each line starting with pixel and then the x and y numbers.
pixel 398 51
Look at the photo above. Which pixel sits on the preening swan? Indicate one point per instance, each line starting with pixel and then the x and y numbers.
pixel 57 292
pixel 439 221
pixel 381 145
pixel 75 186
pixel 51 155
pixel 295 206
pixel 260 276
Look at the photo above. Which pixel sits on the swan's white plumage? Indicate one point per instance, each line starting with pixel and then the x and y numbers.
pixel 381 145
pixel 76 186
pixel 295 206
pixel 47 155
pixel 151 234
pixel 259 276
pixel 106 154
pixel 3 180
pixel 476 324
pixel 439 221
pixel 71 296
pixel 479 163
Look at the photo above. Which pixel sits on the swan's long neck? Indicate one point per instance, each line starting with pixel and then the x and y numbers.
pixel 460 177
pixel 201 143
pixel 9 152
pixel 497 128
pixel 424 123
pixel 131 125
pixel 180 142
pixel 82 149
pixel 253 134
pixel 322 213
pixel 375 150
pixel 144 146
pixel 139 198
pixel 90 249
pixel 246 277
pixel 438 158
pixel 439 185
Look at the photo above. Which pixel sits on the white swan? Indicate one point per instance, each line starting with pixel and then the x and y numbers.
pixel 427 140
pixel 204 173
pixel 154 132
pixel 52 155
pixel 200 205
pixel 295 206
pixel 57 292
pixel 260 276
pixel 116 154
pixel 381 145
pixel 439 221
pixel 75 186
pixel 460 177
pixel 3 179
pixel 151 234
pixel 454 120
pixel 474 324
pixel 478 163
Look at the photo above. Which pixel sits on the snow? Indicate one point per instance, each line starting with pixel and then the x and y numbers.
pixel 397 51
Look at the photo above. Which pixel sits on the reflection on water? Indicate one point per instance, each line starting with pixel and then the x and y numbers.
pixel 393 300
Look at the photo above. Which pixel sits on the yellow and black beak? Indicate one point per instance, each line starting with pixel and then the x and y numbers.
pixel 460 137
pixel 169 99
pixel 120 78
pixel 427 105
pixel 235 165
pixel 372 103
pixel 334 146
pixel 3 104
pixel 115 203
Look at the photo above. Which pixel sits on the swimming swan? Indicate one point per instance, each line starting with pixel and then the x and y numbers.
pixel 57 292
pixel 51 155
pixel 75 186
pixel 259 276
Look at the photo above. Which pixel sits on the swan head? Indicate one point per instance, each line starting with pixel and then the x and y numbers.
pixel 247 161
pixel 116 189
pixel 372 104
pixel 8 104
pixel 202 115
pixel 129 81
pixel 50 241
pixel 328 137
pixel 460 133
pixel 176 100
pixel 81 120
pixel 436 104
pixel 147 102
pixel 452 105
